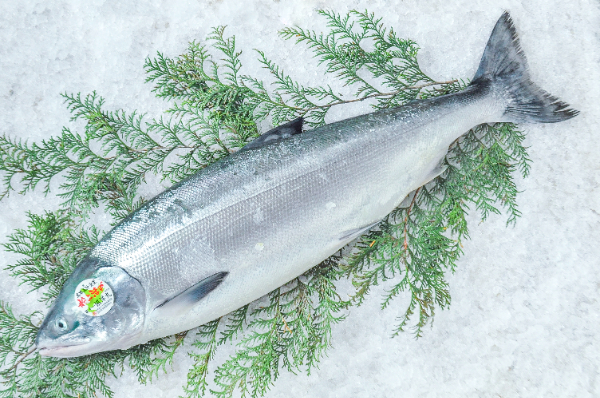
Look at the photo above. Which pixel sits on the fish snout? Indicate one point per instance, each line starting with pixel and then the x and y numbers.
pixel 51 339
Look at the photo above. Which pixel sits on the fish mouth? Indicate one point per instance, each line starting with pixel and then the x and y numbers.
pixel 63 351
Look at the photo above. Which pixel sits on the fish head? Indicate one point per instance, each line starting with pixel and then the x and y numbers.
pixel 100 308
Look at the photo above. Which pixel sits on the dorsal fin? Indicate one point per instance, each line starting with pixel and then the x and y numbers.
pixel 182 302
pixel 277 134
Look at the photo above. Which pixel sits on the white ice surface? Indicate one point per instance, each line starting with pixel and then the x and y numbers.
pixel 525 306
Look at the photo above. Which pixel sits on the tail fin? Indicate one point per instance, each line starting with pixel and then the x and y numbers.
pixel 503 64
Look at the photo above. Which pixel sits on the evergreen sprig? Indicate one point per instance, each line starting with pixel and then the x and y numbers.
pixel 412 244
pixel 214 110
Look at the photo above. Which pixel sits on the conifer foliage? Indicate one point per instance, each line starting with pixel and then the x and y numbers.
pixel 214 110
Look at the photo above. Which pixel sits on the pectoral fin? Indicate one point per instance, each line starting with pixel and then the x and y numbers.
pixel 182 302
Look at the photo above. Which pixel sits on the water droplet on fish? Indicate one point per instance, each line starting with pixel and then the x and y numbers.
pixel 258 216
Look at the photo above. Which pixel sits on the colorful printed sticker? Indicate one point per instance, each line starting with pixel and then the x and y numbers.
pixel 94 297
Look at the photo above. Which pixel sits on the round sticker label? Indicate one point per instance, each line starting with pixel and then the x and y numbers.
pixel 94 297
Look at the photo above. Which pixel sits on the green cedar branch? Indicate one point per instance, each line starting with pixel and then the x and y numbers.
pixel 214 110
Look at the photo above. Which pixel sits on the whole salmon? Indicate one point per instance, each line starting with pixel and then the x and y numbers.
pixel 249 223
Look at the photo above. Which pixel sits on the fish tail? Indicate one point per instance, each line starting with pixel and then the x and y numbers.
pixel 503 65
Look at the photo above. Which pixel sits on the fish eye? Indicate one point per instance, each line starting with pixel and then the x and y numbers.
pixel 62 324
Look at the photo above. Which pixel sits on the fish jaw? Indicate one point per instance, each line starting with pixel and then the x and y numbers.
pixel 81 346
pixel 50 349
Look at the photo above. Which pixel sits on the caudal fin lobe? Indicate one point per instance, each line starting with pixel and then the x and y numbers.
pixel 503 64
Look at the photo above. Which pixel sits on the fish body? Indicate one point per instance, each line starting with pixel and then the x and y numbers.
pixel 249 223
pixel 266 216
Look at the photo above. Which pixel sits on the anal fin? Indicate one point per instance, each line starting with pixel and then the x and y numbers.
pixel 182 302
pixel 436 172
pixel 352 234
